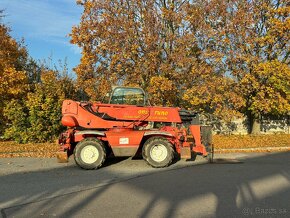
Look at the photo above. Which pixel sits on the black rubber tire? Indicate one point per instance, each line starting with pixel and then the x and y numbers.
pixel 86 142
pixel 152 142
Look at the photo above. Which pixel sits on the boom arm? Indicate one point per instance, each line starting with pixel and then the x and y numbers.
pixel 100 116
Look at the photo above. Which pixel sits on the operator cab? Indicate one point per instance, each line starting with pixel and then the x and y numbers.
pixel 127 95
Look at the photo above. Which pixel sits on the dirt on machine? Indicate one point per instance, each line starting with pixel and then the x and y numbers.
pixel 127 125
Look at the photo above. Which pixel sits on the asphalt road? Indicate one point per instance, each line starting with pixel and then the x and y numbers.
pixel 258 186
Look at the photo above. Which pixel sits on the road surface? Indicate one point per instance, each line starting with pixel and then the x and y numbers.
pixel 257 186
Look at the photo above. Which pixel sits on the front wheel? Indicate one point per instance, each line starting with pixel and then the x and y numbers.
pixel 90 153
pixel 158 152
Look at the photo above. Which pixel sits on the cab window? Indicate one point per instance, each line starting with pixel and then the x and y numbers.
pixel 131 96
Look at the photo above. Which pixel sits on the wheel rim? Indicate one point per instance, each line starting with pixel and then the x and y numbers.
pixel 158 152
pixel 89 154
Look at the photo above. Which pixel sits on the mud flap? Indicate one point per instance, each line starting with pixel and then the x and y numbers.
pixel 62 157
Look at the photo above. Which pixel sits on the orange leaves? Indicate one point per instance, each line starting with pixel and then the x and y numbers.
pixel 13 83
pixel 30 94
pixel 202 54
pixel 133 41
pixel 35 114
pixel 246 141
pixel 278 27
pixel 13 80
pixel 162 91
pixel 268 88
pixel 12 53
pixel 215 94
pixel 12 149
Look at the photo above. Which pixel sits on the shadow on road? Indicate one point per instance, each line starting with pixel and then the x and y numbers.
pixel 259 187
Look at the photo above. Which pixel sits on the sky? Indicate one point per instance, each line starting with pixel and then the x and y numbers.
pixel 44 25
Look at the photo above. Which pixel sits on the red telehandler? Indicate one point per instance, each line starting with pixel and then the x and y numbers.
pixel 127 126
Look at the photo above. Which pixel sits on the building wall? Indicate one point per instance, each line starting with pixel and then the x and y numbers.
pixel 240 126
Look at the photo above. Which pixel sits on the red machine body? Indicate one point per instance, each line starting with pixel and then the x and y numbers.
pixel 125 129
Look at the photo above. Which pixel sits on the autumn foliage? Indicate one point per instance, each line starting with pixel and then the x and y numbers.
pixel 225 58
pixel 31 94
pixel 13 80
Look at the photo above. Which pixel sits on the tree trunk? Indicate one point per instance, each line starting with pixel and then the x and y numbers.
pixel 256 127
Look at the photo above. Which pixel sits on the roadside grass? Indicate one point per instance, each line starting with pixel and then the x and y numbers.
pixel 222 144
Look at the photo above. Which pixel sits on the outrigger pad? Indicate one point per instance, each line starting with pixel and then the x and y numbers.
pixel 185 153
pixel 62 156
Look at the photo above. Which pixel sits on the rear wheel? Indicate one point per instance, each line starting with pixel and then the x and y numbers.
pixel 158 152
pixel 90 153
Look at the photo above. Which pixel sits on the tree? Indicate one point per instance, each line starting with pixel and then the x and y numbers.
pixel 267 90
pixel 213 93
pixel 30 93
pixel 135 42
pixel 197 54
pixel 36 118
pixel 263 55
pixel 13 78
pixel 239 39
pixel 44 107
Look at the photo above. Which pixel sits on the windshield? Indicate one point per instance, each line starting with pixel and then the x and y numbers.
pixel 131 96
